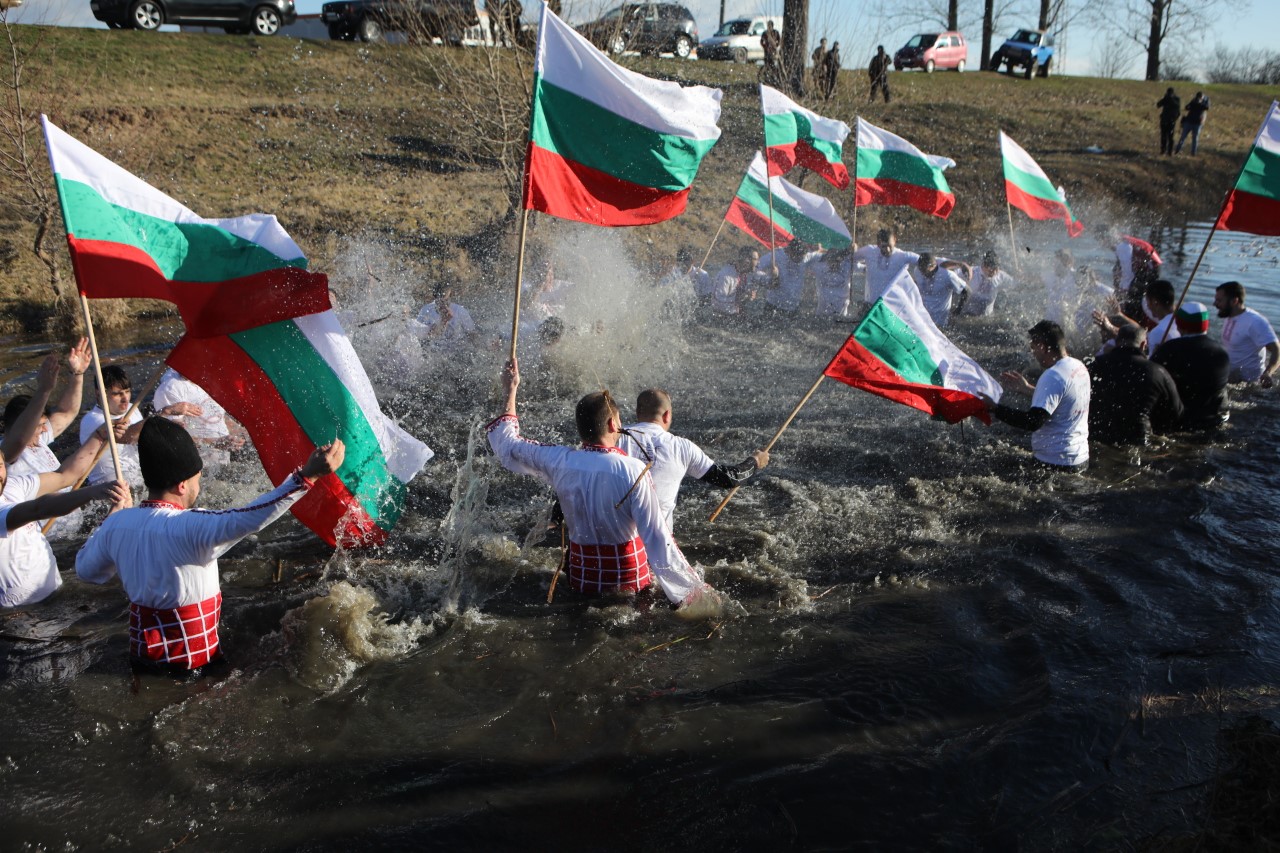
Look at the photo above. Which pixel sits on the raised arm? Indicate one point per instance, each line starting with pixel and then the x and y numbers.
pixel 75 467
pixel 25 427
pixel 50 506
pixel 68 406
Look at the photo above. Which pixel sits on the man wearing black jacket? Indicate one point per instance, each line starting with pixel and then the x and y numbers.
pixel 1131 396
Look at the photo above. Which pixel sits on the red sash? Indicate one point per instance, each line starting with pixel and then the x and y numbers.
pixel 185 636
pixel 596 569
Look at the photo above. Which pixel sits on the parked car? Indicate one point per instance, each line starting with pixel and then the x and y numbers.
pixel 1030 50
pixel 260 17
pixel 367 20
pixel 647 27
pixel 739 39
pixel 933 50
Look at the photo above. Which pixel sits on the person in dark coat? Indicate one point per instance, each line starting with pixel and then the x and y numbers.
pixel 830 70
pixel 1199 367
pixel 878 71
pixel 1131 396
pixel 1170 108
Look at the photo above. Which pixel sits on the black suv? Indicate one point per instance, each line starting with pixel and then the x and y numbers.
pixel 647 27
pixel 367 20
pixel 261 17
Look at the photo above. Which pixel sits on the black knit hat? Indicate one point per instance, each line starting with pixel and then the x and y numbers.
pixel 167 454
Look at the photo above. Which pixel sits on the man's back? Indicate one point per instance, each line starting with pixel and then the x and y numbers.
pixel 673 458
pixel 1130 398
pixel 1199 367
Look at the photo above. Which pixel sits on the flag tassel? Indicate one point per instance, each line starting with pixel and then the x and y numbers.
pixel 772 441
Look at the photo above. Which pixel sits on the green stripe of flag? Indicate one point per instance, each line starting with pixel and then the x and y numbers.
pixel 899 166
pixel 1261 175
pixel 595 137
pixel 194 252
pixel 780 129
pixel 788 218
pixel 1031 184
pixel 326 410
pixel 895 343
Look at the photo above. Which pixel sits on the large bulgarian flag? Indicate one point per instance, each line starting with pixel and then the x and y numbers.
pixel 797 215
pixel 893 171
pixel 1029 189
pixel 1253 205
pixel 608 146
pixel 897 352
pixel 794 136
pixel 260 337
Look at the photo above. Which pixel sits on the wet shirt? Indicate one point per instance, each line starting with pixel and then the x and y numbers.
pixel 176 388
pixel 881 270
pixel 834 287
pixel 1130 398
pixel 459 326
pixel 790 286
pixel 674 458
pixel 105 470
pixel 592 485
pixel 28 570
pixel 1245 336
pixel 1063 392
pixel 166 556
pixel 39 459
pixel 937 291
pixel 983 290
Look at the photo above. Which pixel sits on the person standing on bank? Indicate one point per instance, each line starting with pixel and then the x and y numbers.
pixel 166 552
pixel 1059 415
pixel 878 71
pixel 1192 123
pixel 1170 108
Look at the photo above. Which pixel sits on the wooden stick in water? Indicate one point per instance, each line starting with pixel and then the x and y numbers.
pixel 772 441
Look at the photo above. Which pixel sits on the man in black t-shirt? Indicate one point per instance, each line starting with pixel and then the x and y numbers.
pixel 1199 367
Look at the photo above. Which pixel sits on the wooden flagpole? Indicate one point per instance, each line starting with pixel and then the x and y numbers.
pixel 137 401
pixel 1213 228
pixel 102 388
pixel 772 441
pixel 703 265
pixel 1013 244
pixel 515 311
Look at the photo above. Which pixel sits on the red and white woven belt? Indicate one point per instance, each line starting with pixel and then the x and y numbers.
pixel 185 636
pixel 596 569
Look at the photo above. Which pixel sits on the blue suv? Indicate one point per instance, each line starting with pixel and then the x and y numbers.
pixel 1030 50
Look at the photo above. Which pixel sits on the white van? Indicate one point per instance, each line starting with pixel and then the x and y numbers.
pixel 739 39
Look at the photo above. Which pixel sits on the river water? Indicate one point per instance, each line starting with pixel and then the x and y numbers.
pixel 933 652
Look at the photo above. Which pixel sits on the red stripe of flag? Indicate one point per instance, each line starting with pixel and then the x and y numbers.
pixel 1042 208
pixel 571 190
pixel 857 366
pixel 1254 214
pixel 889 191
pixel 751 221
pixel 109 270
pixel 230 376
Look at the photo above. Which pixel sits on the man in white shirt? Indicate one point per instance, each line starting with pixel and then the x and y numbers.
pixel 30 426
pixel 28 570
pixel 835 282
pixel 938 288
pixel 442 319
pixel 618 539
pixel 987 282
pixel 1059 415
pixel 1247 337
pixel 204 419
pixel 673 457
pixel 884 262
pixel 729 287
pixel 166 553
pixel 787 268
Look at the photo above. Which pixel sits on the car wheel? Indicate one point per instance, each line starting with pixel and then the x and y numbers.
pixel 740 54
pixel 684 47
pixel 266 21
pixel 1044 69
pixel 996 61
pixel 369 30
pixel 146 15
pixel 928 67
pixel 960 67
pixel 617 45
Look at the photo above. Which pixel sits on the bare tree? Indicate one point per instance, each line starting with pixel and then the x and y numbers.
pixel 1155 25
pixel 24 170
pixel 1114 57
pixel 795 43
pixel 1246 65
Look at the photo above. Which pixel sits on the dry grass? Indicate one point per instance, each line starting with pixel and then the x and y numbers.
pixel 342 139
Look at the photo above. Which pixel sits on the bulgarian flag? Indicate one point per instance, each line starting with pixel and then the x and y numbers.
pixel 260 337
pixel 1029 189
pixel 897 352
pixel 794 136
pixel 893 171
pixel 1254 204
pixel 608 146
pixel 797 214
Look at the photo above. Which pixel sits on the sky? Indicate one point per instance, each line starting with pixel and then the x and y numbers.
pixel 859 25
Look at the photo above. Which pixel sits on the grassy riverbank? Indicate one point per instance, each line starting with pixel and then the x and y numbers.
pixel 342 140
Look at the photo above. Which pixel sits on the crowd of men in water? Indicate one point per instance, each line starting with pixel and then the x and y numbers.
pixel 618 488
